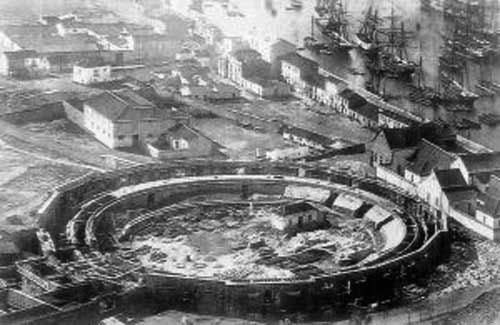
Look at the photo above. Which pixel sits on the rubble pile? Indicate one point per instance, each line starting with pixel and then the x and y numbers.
pixel 474 262
pixel 244 242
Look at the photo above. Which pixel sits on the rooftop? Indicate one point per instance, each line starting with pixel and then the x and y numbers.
pixel 45 39
pixel 450 178
pixel 368 110
pixel 307 67
pixel 306 134
pixel 481 162
pixel 429 156
pixel 353 98
pixel 124 105
pixel 436 132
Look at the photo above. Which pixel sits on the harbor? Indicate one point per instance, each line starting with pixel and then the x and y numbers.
pixel 425 46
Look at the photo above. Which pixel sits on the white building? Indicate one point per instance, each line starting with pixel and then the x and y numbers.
pixel 125 119
pixel 87 74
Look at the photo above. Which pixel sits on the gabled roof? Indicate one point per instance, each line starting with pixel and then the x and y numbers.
pixel 306 66
pixel 368 110
pixel 123 105
pixel 45 39
pixel 353 98
pixel 435 132
pixel 282 45
pixel 181 131
pixel 256 68
pixel 297 207
pixel 481 162
pixel 306 134
pixel 429 156
pixel 400 138
pixel 397 117
pixel 450 178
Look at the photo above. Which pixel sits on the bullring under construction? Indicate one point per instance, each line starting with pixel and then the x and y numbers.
pixel 229 238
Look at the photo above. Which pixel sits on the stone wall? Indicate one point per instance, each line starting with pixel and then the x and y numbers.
pixel 44 113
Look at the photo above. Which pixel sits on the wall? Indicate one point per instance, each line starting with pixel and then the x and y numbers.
pixel 396 180
pixel 373 283
pixel 474 225
pixel 73 114
pixel 47 112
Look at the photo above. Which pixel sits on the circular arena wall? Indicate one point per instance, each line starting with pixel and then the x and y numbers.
pixel 77 211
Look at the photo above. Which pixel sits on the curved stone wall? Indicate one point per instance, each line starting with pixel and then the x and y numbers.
pixel 75 210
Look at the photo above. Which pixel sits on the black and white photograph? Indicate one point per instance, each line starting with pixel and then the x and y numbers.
pixel 250 162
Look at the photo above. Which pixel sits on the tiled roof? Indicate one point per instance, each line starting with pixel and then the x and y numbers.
pixel 44 39
pixel 460 194
pixel 450 178
pixel 435 132
pixel 256 68
pixel 123 105
pixel 368 110
pixel 429 156
pixel 396 116
pixel 306 134
pixel 353 98
pixel 307 66
pixel 481 162
pixel 400 138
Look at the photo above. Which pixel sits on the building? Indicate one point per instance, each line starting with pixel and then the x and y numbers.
pixel 427 157
pixel 231 66
pixel 88 73
pixel 307 138
pixel 296 69
pixel 125 119
pixel 291 153
pixel 446 191
pixel 302 215
pixel 366 114
pixel 183 142
pixel 266 88
pixel 42 47
pixel 247 69
pixel 232 43
pixel 348 206
pixel 24 64
pixel 350 100
pixel 393 120
pixel 473 166
pixel 488 207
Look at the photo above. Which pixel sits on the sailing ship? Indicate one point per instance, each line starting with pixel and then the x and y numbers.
pixel 388 55
pixel 333 24
pixel 366 37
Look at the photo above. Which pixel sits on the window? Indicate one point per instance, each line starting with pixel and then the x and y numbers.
pixel 121 137
pixel 176 144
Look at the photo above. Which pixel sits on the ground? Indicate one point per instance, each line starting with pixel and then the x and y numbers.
pixel 37 157
pixel 240 143
pixel 250 243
